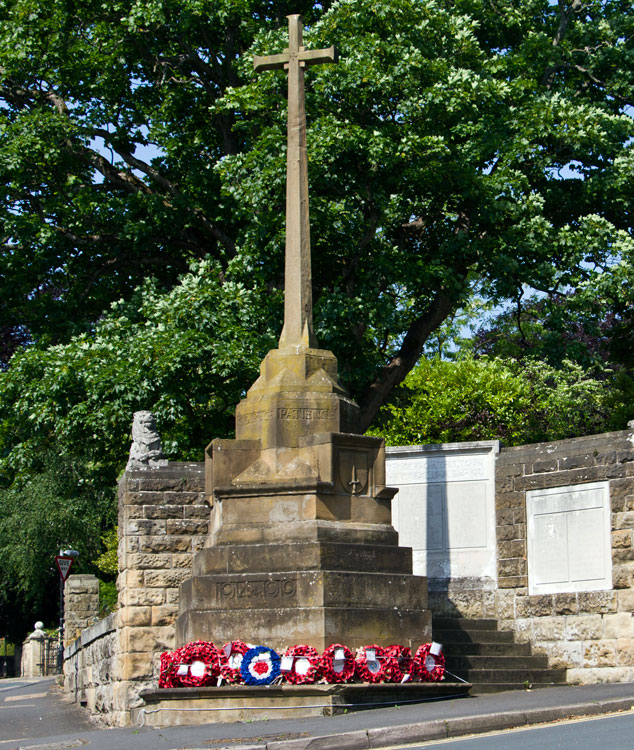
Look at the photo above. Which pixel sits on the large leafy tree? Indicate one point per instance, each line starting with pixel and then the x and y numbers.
pixel 135 138
pixel 455 144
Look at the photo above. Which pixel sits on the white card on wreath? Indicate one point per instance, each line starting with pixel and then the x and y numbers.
pixel 435 649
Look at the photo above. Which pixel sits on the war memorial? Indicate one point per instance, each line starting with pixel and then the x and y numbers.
pixel 285 537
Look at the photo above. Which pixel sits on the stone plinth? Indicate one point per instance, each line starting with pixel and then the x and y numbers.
pixel 186 706
pixel 310 559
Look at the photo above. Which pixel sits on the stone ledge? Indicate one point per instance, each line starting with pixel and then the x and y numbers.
pixel 204 705
pixel 93 633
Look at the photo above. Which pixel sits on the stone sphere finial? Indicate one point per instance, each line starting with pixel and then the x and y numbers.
pixel 38 634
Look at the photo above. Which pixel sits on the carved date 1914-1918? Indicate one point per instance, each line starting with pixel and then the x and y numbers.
pixel 263 589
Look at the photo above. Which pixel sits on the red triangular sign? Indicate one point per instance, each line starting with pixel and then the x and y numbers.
pixel 63 565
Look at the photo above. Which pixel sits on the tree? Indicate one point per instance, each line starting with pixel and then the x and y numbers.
pixel 456 145
pixel 437 145
pixel 488 399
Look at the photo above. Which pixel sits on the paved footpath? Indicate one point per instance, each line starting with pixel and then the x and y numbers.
pixel 365 729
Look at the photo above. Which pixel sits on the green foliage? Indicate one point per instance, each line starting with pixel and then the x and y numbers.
pixel 65 413
pixel 108 597
pixel 141 213
pixel 486 399
pixel 108 561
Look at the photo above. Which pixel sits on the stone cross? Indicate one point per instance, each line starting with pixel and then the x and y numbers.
pixel 298 296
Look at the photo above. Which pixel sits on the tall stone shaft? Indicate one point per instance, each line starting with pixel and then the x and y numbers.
pixel 298 295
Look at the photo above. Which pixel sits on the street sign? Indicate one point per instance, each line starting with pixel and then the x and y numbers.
pixel 63 565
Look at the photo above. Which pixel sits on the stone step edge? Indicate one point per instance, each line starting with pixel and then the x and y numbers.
pixel 445 728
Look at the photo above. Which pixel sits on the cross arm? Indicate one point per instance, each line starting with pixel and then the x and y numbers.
pixel 316 56
pixel 269 62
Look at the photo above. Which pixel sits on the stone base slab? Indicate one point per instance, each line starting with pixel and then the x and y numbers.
pixel 207 705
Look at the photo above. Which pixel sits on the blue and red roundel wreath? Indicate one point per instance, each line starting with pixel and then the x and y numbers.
pixel 370 664
pixel 203 662
pixel 232 654
pixel 260 666
pixel 303 665
pixel 399 664
pixel 430 667
pixel 337 664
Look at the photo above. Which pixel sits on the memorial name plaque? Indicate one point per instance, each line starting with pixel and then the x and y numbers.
pixel 569 546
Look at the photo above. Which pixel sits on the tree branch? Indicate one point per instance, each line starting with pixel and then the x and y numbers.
pixel 402 362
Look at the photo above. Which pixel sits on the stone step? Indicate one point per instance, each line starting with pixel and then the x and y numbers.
pixel 303 555
pixel 303 588
pixel 499 687
pixel 461 623
pixel 474 636
pixel 521 677
pixel 486 649
pixel 532 661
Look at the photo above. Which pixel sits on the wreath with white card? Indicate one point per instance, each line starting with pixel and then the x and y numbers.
pixel 337 664
pixel 430 662
pixel 300 665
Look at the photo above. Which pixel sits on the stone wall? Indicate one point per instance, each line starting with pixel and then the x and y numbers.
pixel 590 633
pixel 81 605
pixel 90 667
pixel 163 521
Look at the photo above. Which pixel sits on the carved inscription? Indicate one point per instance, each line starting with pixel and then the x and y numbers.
pixel 264 589
pixel 287 413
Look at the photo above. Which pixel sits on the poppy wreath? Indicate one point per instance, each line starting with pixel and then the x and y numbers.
pixel 371 670
pixel 305 668
pixel 260 666
pixel 197 654
pixel 430 667
pixel 169 666
pixel 231 657
pixel 399 664
pixel 334 671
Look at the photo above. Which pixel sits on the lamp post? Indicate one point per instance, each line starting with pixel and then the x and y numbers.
pixel 64 562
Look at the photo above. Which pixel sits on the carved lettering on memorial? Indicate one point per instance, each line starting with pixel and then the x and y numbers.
pixel 265 588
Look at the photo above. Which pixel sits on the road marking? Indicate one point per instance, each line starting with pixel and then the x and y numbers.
pixel 55 745
pixel 24 697
pixel 22 705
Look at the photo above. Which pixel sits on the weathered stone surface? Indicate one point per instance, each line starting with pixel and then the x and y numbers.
pixel 618 625
pixel 565 604
pixel 549 628
pixel 583 627
pixel 146 451
pixel 599 653
pixel 597 601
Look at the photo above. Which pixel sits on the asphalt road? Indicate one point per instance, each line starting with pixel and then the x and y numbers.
pixel 35 716
pixel 610 733
pixel 32 708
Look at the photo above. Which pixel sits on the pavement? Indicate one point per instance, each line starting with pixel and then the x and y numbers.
pixel 376 728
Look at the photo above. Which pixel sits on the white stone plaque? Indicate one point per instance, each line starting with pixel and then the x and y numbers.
pixel 569 546
pixel 445 508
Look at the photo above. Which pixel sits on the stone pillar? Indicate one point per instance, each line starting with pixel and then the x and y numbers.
pixel 81 605
pixel 34 653
pixel 163 521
